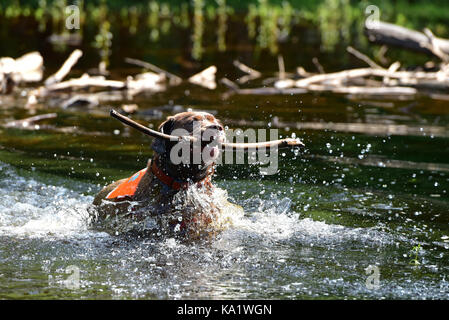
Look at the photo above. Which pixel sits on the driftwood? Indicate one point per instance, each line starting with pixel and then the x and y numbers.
pixel 101 89
pixel 174 79
pixel 373 81
pixel 27 68
pixel 143 82
pixel 435 46
pixel 394 35
pixel 281 66
pixel 366 91
pixel 85 82
pixel 235 89
pixel 363 57
pixel 29 123
pixel 318 65
pixel 400 84
pixel 364 81
pixel 147 81
pixel 65 69
pixel 205 78
pixel 251 73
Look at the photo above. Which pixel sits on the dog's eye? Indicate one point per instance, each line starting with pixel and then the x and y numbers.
pixel 216 127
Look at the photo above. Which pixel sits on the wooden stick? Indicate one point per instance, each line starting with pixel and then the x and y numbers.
pixel 205 78
pixel 303 73
pixel 146 130
pixel 352 73
pixel 281 66
pixel 251 73
pixel 434 46
pixel 279 144
pixel 373 91
pixel 65 69
pixel 390 34
pixel 230 84
pixel 363 57
pixel 392 69
pixel 86 81
pixel 271 91
pixel 244 68
pixel 174 78
pixel 283 143
pixel 24 123
pixel 318 65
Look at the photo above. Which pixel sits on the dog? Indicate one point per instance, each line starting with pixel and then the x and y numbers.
pixel 168 197
pixel 174 194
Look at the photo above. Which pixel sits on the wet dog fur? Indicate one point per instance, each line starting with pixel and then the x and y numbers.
pixel 154 198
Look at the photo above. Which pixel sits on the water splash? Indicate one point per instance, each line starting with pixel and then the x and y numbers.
pixel 34 209
pixel 269 251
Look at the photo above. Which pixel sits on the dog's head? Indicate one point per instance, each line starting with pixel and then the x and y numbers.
pixel 190 160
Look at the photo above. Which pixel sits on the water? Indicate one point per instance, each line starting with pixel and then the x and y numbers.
pixel 370 189
pixel 274 251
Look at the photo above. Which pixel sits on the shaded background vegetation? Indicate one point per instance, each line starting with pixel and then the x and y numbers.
pixel 205 30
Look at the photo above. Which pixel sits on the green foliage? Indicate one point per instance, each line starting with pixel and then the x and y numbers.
pixel 414 255
pixel 268 22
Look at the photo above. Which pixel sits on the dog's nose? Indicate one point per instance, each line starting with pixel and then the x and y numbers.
pixel 212 133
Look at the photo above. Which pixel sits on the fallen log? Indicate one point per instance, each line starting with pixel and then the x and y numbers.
pixel 394 35
pixel 341 75
pixel 405 77
pixel 366 91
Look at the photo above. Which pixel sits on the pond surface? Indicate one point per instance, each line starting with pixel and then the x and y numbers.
pixel 370 189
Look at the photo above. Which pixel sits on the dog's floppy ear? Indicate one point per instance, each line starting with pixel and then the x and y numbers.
pixel 166 127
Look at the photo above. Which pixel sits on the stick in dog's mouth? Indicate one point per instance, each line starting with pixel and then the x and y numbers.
pixel 281 144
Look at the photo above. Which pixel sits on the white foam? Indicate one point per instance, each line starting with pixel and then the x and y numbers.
pixel 34 209
pixel 274 220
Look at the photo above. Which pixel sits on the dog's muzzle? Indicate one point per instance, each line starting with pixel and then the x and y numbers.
pixel 211 139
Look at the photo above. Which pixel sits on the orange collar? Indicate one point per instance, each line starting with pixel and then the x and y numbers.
pixel 167 180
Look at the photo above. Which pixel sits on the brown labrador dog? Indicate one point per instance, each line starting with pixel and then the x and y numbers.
pixel 174 194
pixel 161 190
